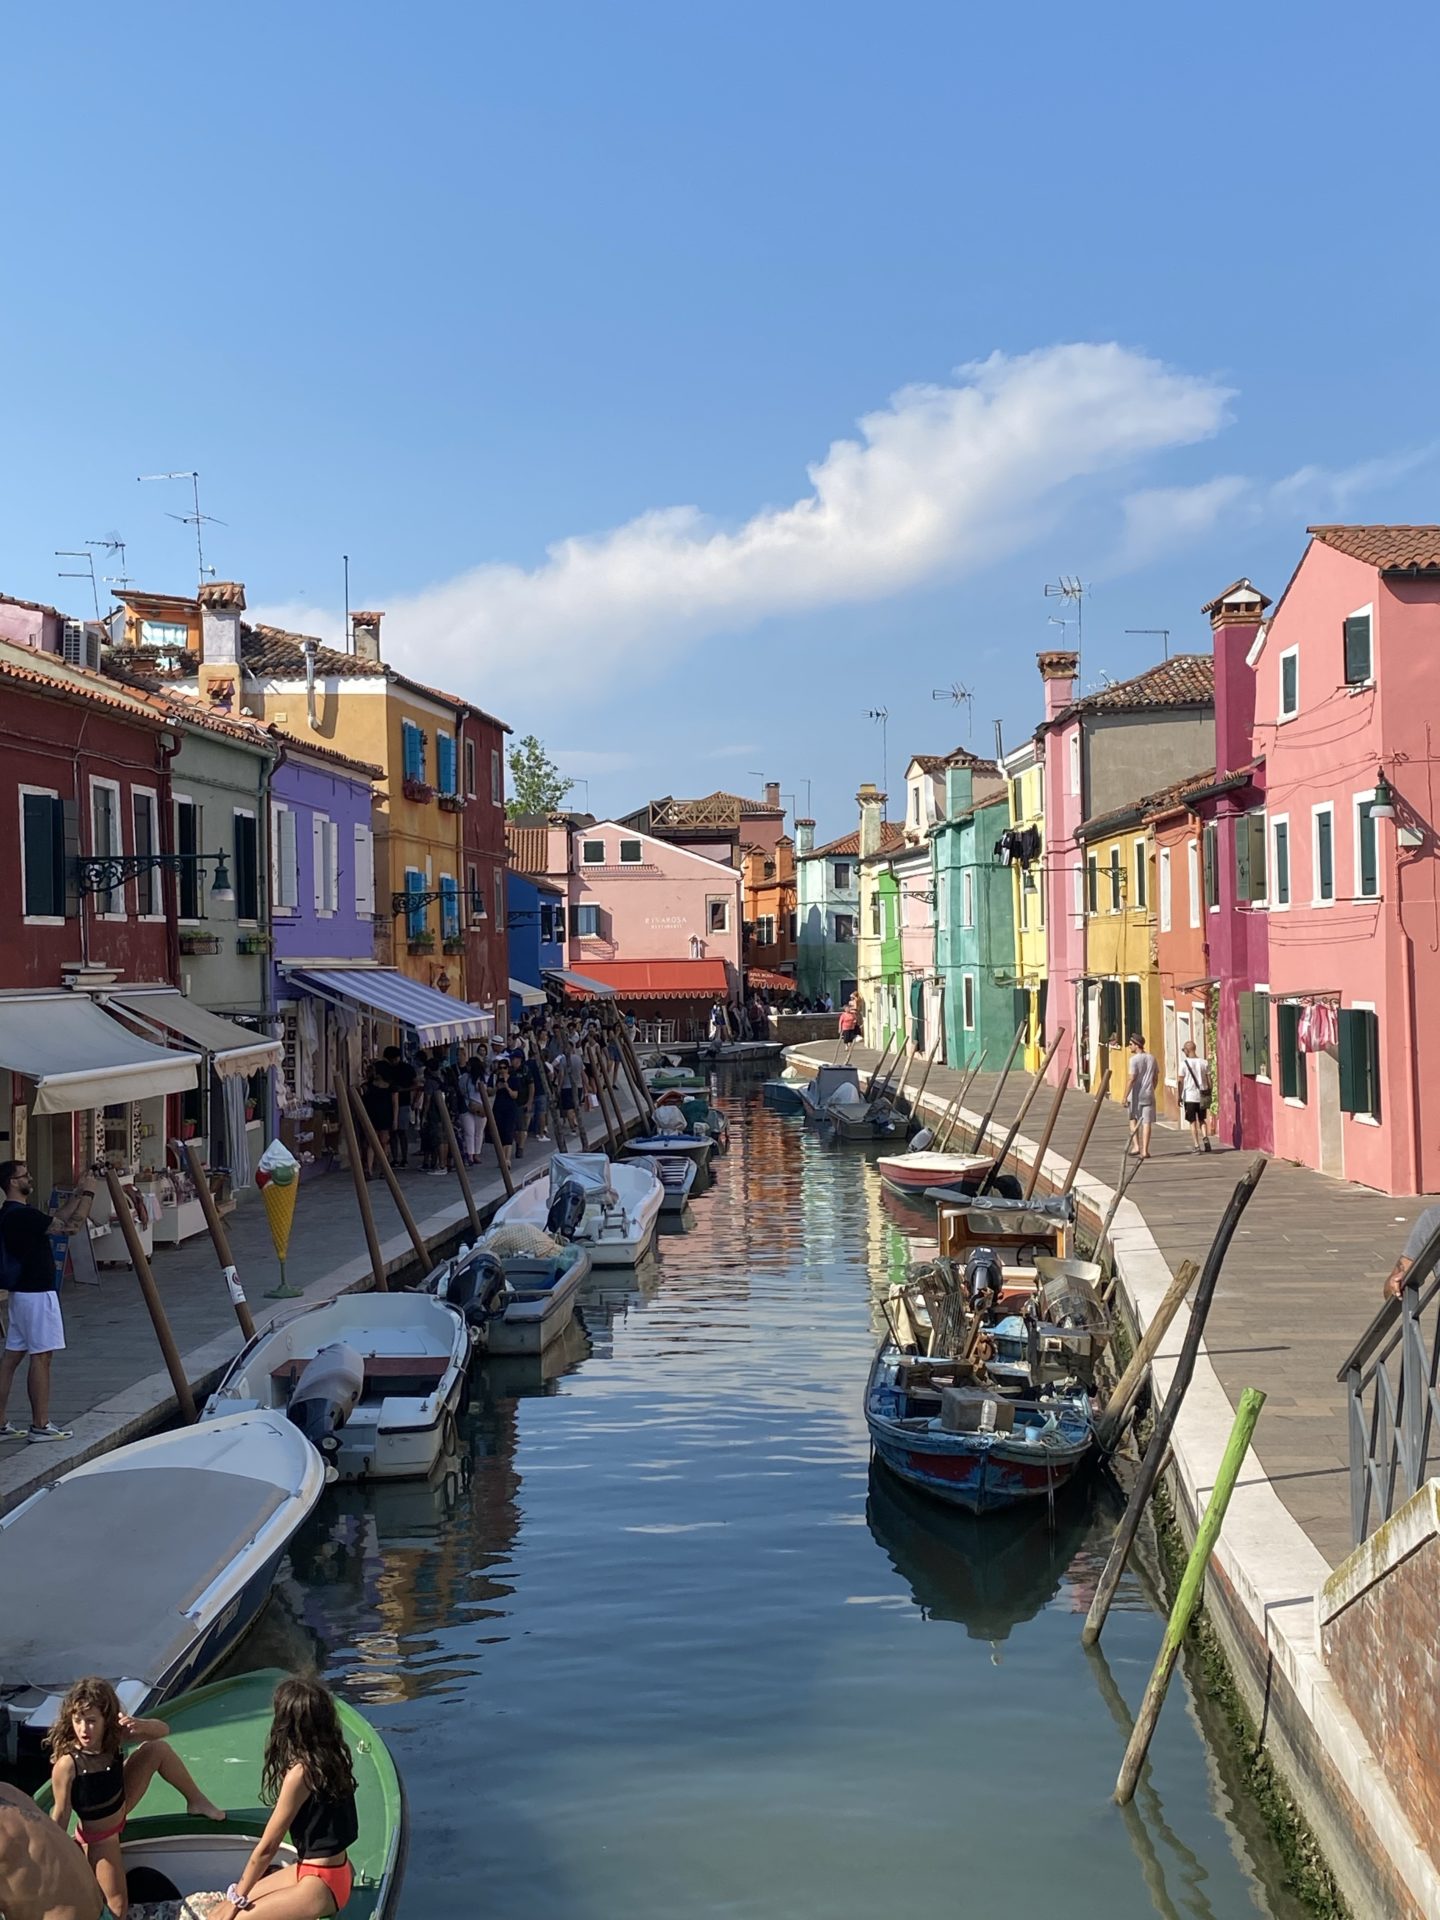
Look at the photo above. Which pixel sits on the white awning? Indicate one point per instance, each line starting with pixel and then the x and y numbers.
pixel 527 995
pixel 432 1016
pixel 79 1057
pixel 581 982
pixel 164 1010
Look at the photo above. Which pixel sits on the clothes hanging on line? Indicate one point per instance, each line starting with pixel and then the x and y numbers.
pixel 1318 1030
pixel 1018 846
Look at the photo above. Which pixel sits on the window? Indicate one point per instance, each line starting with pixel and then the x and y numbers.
pixel 145 833
pixel 499 877
pixel 550 927
pixel 166 636
pixel 592 853
pixel 470 768
pixel 497 778
pixel 1250 880
pixel 1030 893
pixel 416 910
pixel 187 841
pixel 842 876
pixel 967 898
pixel 1075 762
pixel 326 863
pixel 717 913
pixel 967 1001
pixel 1367 853
pixel 585 922
pixel 845 928
pixel 1192 863
pixel 1017 802
pixel 1280 861
pixel 1209 862
pixel 449 907
pixel 1092 882
pixel 1254 1011
pixel 1141 896
pixel 445 763
pixel 631 853
pixel 1292 1060
pixel 1323 849
pixel 765 930
pixel 247 866
pixel 1359 671
pixel 1115 876
pixel 476 897
pixel 1165 889
pixel 1289 684
pixel 1024 896
pixel 364 872
pixel 1360 1062
pixel 1134 1009
pixel 42 854
pixel 915 806
pixel 1111 1012
pixel 792 922
pixel 105 838
pixel 875 916
pixel 768 870
pixel 284 860
pixel 412 751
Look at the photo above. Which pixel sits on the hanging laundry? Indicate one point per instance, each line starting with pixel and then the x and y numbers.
pixel 1324 1027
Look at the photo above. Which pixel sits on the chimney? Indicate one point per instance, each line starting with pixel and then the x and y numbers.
pixel 365 636
pixel 221 604
pixel 804 838
pixel 1058 671
pixel 1235 621
pixel 772 793
pixel 959 787
pixel 871 803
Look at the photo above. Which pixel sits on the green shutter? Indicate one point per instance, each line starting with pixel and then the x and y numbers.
pixel 1134 1009
pixel 1372 1062
pixel 1207 855
pixel 1352 1059
pixel 1243 866
pixel 1369 863
pixel 1325 855
pixel 1292 1061
pixel 1282 863
pixel 1357 649
pixel 1262 1033
pixel 1249 1059
pixel 1256 824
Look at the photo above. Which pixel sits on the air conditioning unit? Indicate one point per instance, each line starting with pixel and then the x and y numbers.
pixel 80 645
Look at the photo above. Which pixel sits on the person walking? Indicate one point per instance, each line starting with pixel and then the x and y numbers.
pixel 1141 1082
pixel 377 1096
pixel 402 1077
pixel 472 1113
pixel 849 1023
pixel 36 1332
pixel 1193 1087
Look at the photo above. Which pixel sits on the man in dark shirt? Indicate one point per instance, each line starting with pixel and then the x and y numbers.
pixel 403 1079
pixel 35 1330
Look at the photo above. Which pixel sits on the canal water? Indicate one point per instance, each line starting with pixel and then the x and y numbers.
pixel 661 1644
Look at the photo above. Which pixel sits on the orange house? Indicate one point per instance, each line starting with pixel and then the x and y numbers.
pixel 1183 888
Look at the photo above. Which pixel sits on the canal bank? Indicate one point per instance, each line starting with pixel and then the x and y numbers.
pixel 1301 1282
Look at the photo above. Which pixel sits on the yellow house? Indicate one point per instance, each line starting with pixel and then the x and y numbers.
pixel 1122 979
pixel 1025 777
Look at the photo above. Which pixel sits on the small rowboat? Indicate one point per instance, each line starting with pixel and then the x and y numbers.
pixel 912 1174
pixel 677 1177
pixel 219 1732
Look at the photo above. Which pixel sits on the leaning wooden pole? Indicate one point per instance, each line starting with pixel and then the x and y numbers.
pixel 362 1191
pixel 942 1146
pixel 602 1092
pixel 919 1093
pixel 457 1158
pixel 997 1164
pixel 397 1194
pixel 1044 1146
pixel 980 1131
pixel 1170 1412
pixel 1238 1445
pixel 502 1152
pixel 1097 1102
pixel 875 1071
pixel 1110 1424
pixel 155 1306
pixel 611 1075
pixel 645 1105
pixel 220 1240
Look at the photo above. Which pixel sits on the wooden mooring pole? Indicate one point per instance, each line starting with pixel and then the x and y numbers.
pixel 382 1160
pixel 1110 1424
pixel 1085 1132
pixel 462 1172
pixel 998 1162
pixel 980 1131
pixel 362 1192
pixel 959 1101
pixel 219 1239
pixel 155 1306
pixel 1246 1414
pixel 1044 1146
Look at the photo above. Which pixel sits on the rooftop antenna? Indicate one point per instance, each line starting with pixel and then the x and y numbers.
pixel 1162 633
pixel 73 553
pixel 349 644
pixel 1069 589
pixel 113 543
pixel 197 519
pixel 882 715
pixel 958 696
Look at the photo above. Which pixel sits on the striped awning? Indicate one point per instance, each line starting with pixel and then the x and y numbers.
pixel 233 1049
pixel 579 982
pixel 433 1017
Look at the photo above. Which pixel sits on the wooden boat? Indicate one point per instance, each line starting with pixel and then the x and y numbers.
pixel 619 1204
pixel 374 1379
pixel 677 1176
pixel 219 1732
pixel 667 1077
pixel 914 1173
pixel 189 1527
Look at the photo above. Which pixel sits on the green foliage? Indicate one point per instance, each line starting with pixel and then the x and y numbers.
pixel 536 783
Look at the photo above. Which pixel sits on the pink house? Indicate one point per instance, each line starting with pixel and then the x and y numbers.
pixel 1345 705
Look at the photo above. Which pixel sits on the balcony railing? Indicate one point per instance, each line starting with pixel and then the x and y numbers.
pixel 1390 1381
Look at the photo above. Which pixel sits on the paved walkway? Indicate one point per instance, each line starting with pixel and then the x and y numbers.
pixel 1300 1285
pixel 110 1384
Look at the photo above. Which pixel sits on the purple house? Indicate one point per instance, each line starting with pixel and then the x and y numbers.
pixel 322 889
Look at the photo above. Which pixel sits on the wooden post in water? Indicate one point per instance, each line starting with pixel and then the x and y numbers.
pixel 155 1306
pixel 382 1160
pixel 219 1239
pixel 1129 1167
pixel 958 1103
pixel 644 1105
pixel 874 1071
pixel 362 1192
pixel 457 1159
pixel 501 1152
pixel 1085 1132
pixel 999 1086
pixel 1246 1414
pixel 1168 1414
pixel 997 1164
pixel 1044 1147
pixel 612 1142
pixel 1110 1423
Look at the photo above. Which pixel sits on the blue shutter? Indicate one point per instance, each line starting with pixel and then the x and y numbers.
pixel 445 761
pixel 409 751
pixel 415 915
pixel 449 907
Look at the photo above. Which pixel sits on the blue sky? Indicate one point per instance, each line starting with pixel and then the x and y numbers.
pixel 551 316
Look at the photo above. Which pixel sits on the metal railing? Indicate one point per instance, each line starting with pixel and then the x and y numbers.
pixel 1390 1381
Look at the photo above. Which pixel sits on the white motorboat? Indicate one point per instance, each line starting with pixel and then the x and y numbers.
pixel 147 1565
pixel 516 1285
pixel 615 1203
pixel 373 1378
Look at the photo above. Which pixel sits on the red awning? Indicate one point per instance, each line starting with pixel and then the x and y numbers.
pixel 661 979
pixel 769 980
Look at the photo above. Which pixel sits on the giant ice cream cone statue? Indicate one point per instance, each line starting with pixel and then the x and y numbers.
pixel 278 1178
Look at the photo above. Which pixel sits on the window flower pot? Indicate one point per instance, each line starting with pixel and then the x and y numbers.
pixel 452 802
pixel 422 943
pixel 414 789
pixel 192 943
pixel 455 943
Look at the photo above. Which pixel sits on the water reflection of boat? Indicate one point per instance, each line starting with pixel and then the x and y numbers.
pixel 513 1376
pixel 991 1575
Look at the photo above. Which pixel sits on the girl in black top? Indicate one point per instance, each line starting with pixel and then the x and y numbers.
pixel 310 1778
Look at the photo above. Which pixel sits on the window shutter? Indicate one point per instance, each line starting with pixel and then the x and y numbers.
pixel 317 860
pixel 1040 1014
pixel 1357 649
pixel 1352 1056
pixel 1249 1055
pixel 364 871
pixel 1134 1012
pixel 1258 880
pixel 1372 1064
pixel 1243 864
pixel 332 865
pixel 70 854
pixel 1282 863
pixel 1262 1033
pixel 1369 866
pixel 1325 852
pixel 1208 853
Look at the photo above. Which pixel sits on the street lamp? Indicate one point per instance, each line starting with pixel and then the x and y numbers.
pixel 108 872
pixel 1382 807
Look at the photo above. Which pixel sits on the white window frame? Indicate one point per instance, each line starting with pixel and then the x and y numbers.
pixel 843 939
pixel 157 874
pixel 638 861
pixel 967 897
pixel 97 782
pixel 497 778
pixel 1272 870
pixel 764 929
pixel 967 1002
pixel 847 867
pixel 1357 801
pixel 1196 883
pixel 1281 716
pixel 1359 686
pixel 38 919
pixel 246 813
pixel 585 846
pixel 1166 886
pixel 1367 1006
pixel 716 900
pixel 1321 807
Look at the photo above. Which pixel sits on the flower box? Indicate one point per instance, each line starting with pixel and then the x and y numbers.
pixel 455 943
pixel 253 943
pixel 453 802
pixel 414 789
pixel 199 943
pixel 421 942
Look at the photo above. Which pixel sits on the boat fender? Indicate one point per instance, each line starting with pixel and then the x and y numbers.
pixel 921 1141
pixel 567 1210
pixel 326 1393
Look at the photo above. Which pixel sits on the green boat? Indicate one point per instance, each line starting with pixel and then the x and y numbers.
pixel 220 1731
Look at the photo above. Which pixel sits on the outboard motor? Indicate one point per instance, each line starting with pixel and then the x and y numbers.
pixel 920 1141
pixel 983 1277
pixel 474 1287
pixel 567 1210
pixel 325 1395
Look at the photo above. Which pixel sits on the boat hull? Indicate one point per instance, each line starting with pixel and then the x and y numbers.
pixel 531 1322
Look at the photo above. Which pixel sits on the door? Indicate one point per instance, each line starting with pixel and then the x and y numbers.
pixel 1325 1070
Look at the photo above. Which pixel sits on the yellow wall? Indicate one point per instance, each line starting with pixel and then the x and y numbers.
pixel 1027 809
pixel 1121 946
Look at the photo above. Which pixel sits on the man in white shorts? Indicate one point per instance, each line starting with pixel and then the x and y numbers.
pixel 36 1330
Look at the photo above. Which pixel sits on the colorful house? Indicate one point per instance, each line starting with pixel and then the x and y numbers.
pixel 974 914
pixel 827 893
pixel 1183 925
pixel 1344 702
pixel 877 933
pixel 1121 986
pixel 535 917
pixel 1024 857
pixel 770 907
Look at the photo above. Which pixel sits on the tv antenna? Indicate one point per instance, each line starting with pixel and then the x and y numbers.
pixel 113 543
pixel 1160 633
pixel 958 696
pixel 881 715
pixel 1069 589
pixel 197 519
pixel 80 553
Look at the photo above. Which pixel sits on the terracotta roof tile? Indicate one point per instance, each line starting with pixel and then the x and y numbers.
pixel 330 754
pixel 82 688
pixel 1184 680
pixel 223 593
pixel 273 651
pixel 1391 549
pixel 527 848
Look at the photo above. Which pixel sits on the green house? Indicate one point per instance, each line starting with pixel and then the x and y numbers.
pixel 974 914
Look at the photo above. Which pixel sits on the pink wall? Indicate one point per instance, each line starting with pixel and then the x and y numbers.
pixel 917 919
pixel 653 910
pixel 1064 928
pixel 1380 952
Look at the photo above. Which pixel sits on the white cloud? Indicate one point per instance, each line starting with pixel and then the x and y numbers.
pixel 941 481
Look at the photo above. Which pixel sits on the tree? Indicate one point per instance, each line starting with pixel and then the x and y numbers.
pixel 536 783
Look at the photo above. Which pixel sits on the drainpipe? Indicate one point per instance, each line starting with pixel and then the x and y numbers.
pixel 1408 972
pixel 310 685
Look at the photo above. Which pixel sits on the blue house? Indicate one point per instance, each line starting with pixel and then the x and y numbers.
pixel 535 910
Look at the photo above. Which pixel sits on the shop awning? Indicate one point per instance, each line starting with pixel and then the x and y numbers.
pixel 433 1017
pixel 233 1049
pixel 579 982
pixel 656 979
pixel 770 980
pixel 79 1057
pixel 527 995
